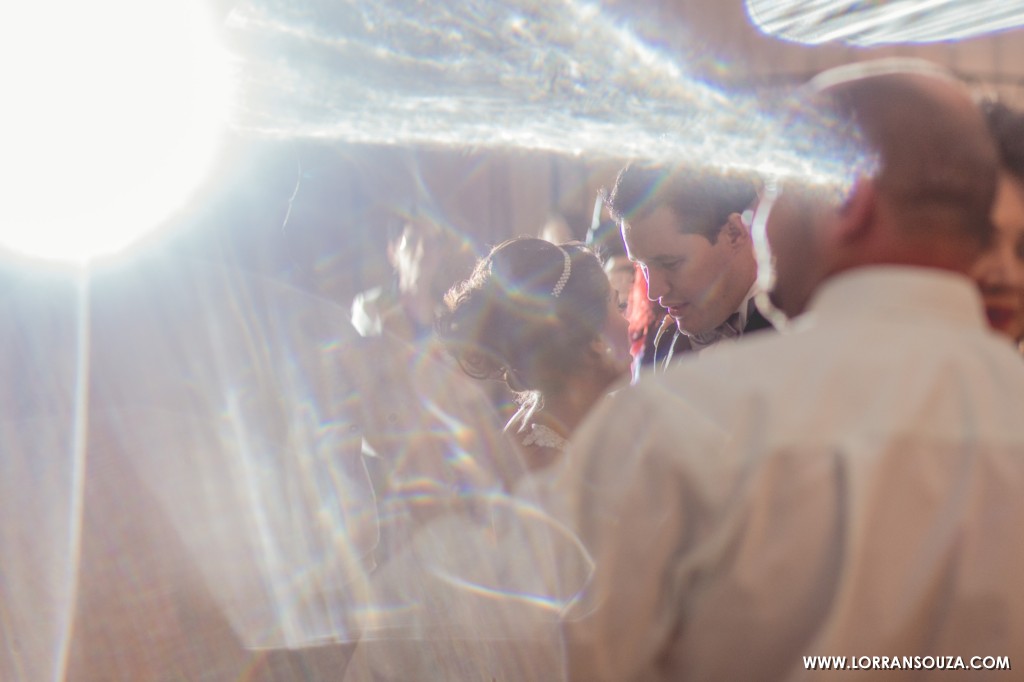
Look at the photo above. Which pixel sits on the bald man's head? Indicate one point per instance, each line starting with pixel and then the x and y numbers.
pixel 937 164
pixel 922 199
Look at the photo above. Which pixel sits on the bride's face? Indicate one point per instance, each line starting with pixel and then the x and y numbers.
pixel 616 335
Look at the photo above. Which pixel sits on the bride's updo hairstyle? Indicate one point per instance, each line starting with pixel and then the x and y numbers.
pixel 528 314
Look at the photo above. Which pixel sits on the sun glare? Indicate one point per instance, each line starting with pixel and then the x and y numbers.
pixel 113 113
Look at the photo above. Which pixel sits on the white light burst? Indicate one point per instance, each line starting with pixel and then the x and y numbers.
pixel 560 76
pixel 112 113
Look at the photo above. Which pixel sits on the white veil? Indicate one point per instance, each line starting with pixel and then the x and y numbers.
pixel 183 487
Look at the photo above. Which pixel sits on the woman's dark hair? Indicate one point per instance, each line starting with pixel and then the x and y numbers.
pixel 1007 128
pixel 505 322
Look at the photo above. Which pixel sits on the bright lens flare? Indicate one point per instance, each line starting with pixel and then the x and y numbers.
pixel 561 76
pixel 112 113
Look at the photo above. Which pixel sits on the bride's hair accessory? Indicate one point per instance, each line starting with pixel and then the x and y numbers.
pixel 566 271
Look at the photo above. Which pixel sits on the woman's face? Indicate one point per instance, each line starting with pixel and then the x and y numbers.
pixel 616 333
pixel 1000 270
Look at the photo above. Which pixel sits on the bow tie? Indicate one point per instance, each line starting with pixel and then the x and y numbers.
pixel 729 329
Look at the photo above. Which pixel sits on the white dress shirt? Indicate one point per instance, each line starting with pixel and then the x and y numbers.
pixel 852 488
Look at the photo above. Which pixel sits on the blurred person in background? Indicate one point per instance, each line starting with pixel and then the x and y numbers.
pixel 621 275
pixel 408 392
pixel 557 229
pixel 606 241
pixel 426 257
pixel 1000 271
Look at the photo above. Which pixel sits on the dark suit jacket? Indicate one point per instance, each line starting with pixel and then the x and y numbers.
pixel 674 344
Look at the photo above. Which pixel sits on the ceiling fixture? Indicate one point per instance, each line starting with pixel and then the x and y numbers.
pixel 877 22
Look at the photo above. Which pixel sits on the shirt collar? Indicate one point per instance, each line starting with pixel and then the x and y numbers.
pixel 907 292
pixel 746 306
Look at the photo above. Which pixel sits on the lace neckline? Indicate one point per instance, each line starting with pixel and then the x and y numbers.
pixel 543 436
